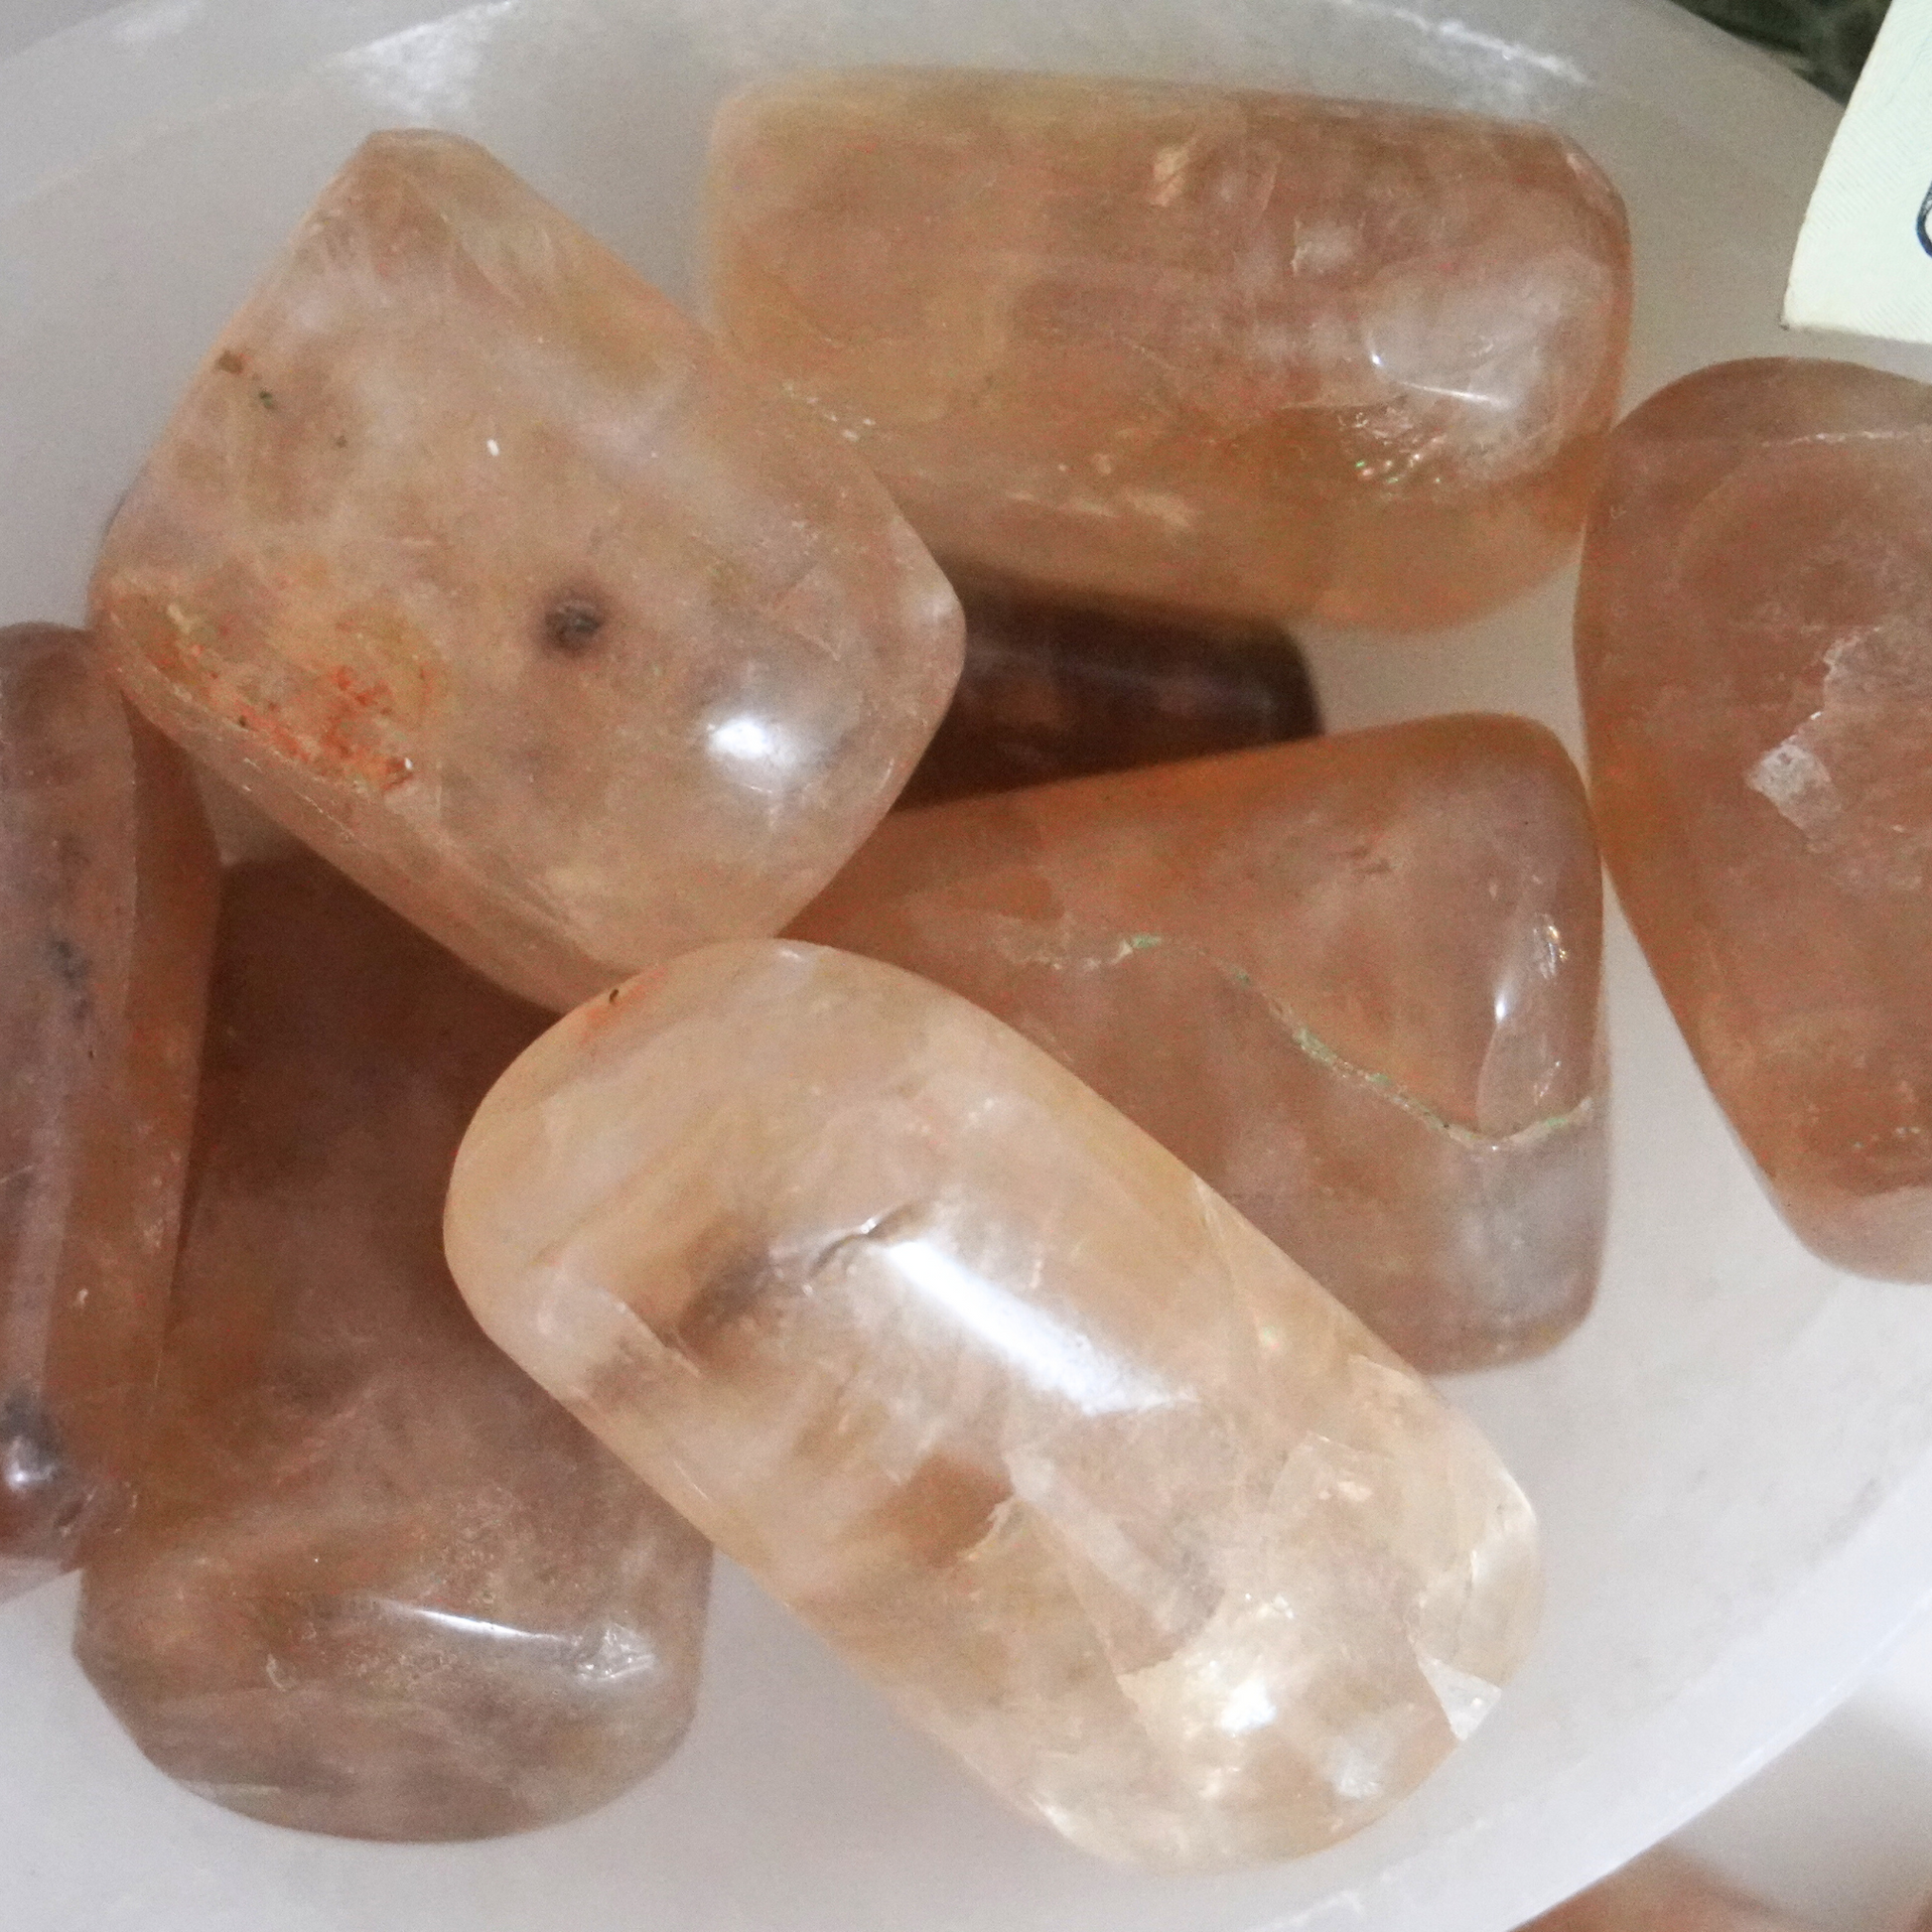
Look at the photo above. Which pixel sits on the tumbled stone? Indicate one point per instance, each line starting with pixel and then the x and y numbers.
pixel 1009 1406
pixel 1352 983
pixel 1662 1892
pixel 1061 691
pixel 376 1581
pixel 107 895
pixel 1756 674
pixel 1261 354
pixel 471 562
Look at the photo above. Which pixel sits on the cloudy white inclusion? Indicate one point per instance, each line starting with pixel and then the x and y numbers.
pixel 1250 1707
pixel 1466 1700
pixel 1795 779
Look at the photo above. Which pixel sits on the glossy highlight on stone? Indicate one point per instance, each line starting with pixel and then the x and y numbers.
pixel 376 1583
pixel 1259 354
pixel 1662 1892
pixel 107 895
pixel 1061 691
pixel 475 564
pixel 1352 983
pixel 1010 1406
pixel 1756 673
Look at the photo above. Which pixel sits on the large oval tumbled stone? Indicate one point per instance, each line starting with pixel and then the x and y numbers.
pixel 1006 1403
pixel 1224 350
pixel 473 562
pixel 1753 645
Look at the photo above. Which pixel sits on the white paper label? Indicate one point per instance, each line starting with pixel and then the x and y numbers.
pixel 1864 255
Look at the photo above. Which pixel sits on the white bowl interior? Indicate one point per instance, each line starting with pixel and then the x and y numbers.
pixel 1732 1458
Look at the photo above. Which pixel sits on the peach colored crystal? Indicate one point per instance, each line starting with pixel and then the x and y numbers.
pixel 1757 677
pixel 377 1581
pixel 1663 1892
pixel 472 561
pixel 1058 691
pixel 108 892
pixel 1011 1407
pixel 1353 984
pixel 1253 354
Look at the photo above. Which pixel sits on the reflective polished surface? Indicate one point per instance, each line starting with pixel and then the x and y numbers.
pixel 1099 1486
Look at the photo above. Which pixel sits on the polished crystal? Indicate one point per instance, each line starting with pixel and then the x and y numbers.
pixel 1756 672
pixel 1008 1405
pixel 1352 983
pixel 107 895
pixel 473 562
pixel 376 1581
pixel 1259 354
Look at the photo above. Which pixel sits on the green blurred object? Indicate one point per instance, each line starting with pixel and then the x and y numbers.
pixel 1824 40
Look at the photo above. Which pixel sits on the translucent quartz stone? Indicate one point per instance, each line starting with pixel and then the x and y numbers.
pixel 475 564
pixel 1353 984
pixel 1662 1892
pixel 1246 352
pixel 1756 675
pixel 107 895
pixel 377 1583
pixel 1060 691
pixel 1008 1405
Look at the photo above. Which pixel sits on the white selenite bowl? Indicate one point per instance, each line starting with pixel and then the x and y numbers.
pixel 1733 1459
